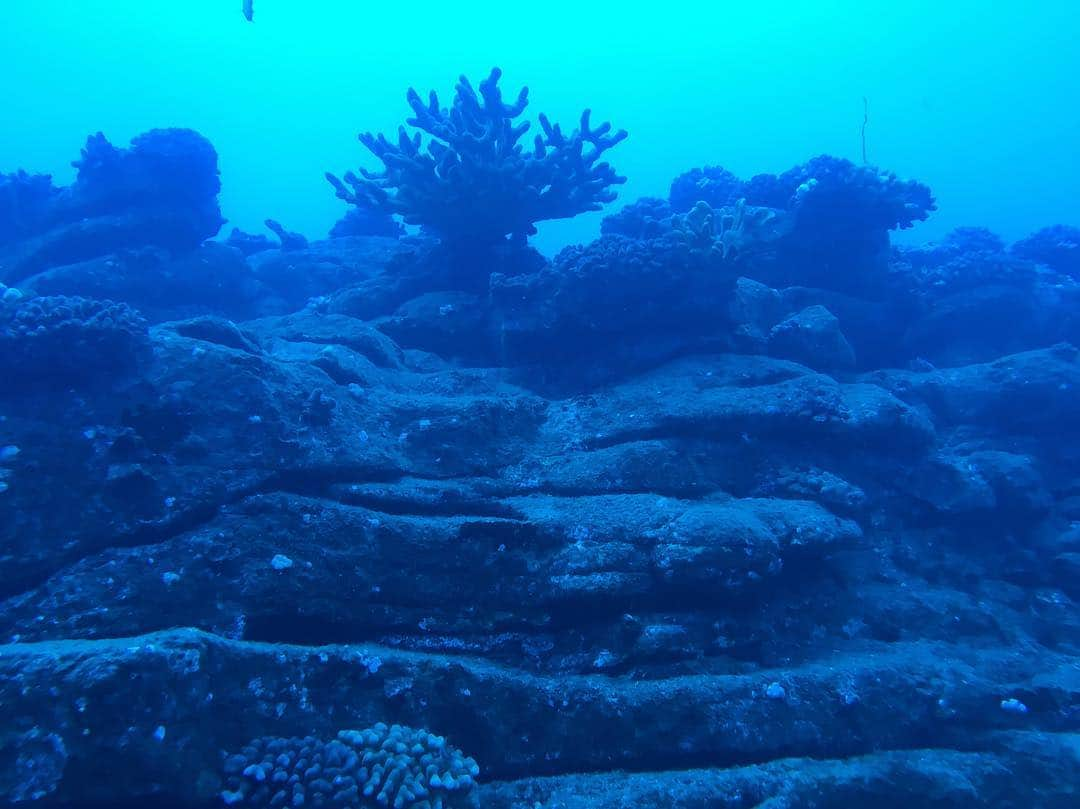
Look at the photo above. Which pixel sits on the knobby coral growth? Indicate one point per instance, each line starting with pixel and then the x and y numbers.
pixel 57 341
pixel 713 184
pixel 162 192
pixel 726 231
pixel 382 766
pixel 646 218
pixel 475 183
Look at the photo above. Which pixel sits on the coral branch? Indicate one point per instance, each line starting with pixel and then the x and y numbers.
pixel 473 183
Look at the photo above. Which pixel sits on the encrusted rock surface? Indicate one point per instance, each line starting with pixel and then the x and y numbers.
pixel 709 540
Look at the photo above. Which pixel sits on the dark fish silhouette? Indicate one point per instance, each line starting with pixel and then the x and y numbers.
pixel 249 10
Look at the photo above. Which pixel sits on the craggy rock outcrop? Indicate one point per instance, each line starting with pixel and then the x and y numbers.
pixel 189 686
pixel 813 337
pixel 698 512
pixel 762 544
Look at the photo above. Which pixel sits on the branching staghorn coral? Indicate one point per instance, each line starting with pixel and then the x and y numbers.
pixel 475 183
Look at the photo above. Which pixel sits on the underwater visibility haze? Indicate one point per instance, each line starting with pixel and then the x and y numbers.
pixel 978 102
pixel 653 406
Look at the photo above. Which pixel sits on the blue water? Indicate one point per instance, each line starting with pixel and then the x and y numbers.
pixel 978 102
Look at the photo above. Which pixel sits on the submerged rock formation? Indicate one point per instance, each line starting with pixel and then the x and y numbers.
pixel 693 515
